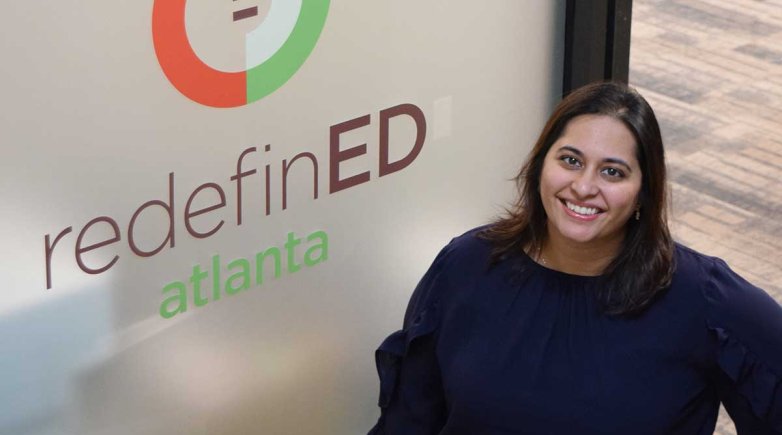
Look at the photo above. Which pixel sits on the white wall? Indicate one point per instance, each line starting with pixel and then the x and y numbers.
pixel 92 127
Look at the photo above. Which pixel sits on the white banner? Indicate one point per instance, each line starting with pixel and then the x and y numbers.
pixel 213 213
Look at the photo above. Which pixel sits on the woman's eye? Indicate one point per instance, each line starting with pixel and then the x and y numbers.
pixel 613 172
pixel 570 160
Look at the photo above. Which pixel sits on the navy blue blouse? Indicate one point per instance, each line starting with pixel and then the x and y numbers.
pixel 486 351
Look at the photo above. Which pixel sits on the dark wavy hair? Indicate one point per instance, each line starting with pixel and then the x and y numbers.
pixel 642 269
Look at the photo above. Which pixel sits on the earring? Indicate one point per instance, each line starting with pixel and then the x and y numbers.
pixel 638 214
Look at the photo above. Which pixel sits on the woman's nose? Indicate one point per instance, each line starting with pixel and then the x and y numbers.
pixel 584 184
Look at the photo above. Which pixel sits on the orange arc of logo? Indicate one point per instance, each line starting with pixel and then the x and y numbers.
pixel 190 75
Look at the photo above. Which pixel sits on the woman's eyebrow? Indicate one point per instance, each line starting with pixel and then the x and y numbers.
pixel 619 162
pixel 613 160
pixel 572 149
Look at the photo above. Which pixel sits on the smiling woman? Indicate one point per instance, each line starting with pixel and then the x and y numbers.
pixel 601 149
pixel 576 313
pixel 589 187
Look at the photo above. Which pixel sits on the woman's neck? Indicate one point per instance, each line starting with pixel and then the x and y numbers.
pixel 588 259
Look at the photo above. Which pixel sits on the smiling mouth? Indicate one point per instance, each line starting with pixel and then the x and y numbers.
pixel 584 211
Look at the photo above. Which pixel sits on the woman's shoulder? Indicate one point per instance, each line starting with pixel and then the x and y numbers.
pixel 468 248
pixel 736 310
pixel 465 258
pixel 714 280
pixel 704 272
pixel 690 261
pixel 711 274
pixel 746 326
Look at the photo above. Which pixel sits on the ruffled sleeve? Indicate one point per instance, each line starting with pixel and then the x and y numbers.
pixel 746 324
pixel 411 393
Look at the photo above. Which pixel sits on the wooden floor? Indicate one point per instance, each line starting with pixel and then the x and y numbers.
pixel 712 71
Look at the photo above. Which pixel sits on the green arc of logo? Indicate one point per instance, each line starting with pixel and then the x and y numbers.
pixel 210 87
pixel 267 77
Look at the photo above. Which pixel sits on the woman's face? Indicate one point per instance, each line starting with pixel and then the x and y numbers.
pixel 590 182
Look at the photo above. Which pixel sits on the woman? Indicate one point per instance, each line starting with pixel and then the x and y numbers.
pixel 576 313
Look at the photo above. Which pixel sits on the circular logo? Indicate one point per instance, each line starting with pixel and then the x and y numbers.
pixel 271 52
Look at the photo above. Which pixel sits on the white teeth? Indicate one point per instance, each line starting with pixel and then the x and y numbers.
pixel 586 211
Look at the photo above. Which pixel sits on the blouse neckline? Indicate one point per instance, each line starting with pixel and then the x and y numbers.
pixel 553 273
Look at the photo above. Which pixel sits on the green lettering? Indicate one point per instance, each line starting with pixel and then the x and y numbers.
pixel 290 246
pixel 239 274
pixel 180 298
pixel 244 274
pixel 216 278
pixel 195 279
pixel 274 252
pixel 322 248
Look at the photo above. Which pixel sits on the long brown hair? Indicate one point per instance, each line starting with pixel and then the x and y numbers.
pixel 644 265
